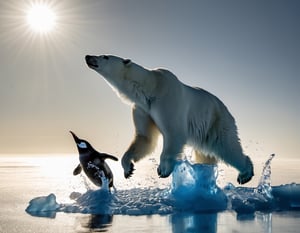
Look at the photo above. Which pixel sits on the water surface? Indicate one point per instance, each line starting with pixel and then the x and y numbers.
pixel 146 203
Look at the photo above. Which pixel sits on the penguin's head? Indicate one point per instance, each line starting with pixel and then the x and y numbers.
pixel 83 146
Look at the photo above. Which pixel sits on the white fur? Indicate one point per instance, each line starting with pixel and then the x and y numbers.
pixel 182 114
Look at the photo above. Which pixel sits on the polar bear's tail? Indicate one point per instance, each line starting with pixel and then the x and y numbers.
pixel 246 175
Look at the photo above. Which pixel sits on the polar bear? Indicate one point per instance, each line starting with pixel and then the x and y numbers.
pixel 184 115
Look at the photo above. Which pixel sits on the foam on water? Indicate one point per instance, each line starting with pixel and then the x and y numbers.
pixel 193 189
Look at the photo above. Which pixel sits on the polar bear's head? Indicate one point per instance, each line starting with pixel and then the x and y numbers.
pixel 112 68
pixel 131 81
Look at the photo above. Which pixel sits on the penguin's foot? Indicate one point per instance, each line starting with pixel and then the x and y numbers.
pixel 128 172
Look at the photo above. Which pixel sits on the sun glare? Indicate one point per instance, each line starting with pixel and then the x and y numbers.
pixel 41 18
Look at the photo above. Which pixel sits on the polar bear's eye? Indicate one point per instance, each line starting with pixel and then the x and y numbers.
pixel 105 57
pixel 126 61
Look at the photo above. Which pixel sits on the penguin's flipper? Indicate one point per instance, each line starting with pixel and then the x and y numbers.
pixel 77 170
pixel 107 156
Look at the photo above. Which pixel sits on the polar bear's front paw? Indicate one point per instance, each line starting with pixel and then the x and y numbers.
pixel 128 167
pixel 128 172
pixel 161 173
pixel 165 168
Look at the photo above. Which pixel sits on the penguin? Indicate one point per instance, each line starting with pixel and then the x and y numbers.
pixel 93 162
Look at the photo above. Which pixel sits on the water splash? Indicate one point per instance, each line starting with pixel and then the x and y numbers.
pixel 193 189
pixel 248 200
pixel 264 187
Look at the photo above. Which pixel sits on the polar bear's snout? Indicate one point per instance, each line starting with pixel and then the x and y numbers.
pixel 91 61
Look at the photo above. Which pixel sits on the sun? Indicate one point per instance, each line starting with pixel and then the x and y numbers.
pixel 41 18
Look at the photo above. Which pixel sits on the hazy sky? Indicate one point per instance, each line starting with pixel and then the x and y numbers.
pixel 245 52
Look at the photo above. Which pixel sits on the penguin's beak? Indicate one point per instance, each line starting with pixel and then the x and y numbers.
pixel 77 140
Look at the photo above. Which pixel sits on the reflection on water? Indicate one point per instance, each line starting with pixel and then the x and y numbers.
pixel 185 222
pixel 95 223
pixel 221 222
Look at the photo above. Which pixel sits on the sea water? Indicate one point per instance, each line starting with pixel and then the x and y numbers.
pixel 193 189
pixel 43 196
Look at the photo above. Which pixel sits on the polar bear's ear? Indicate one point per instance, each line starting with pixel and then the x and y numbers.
pixel 126 62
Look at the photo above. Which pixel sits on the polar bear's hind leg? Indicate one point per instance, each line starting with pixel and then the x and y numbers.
pixel 233 155
pixel 246 175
